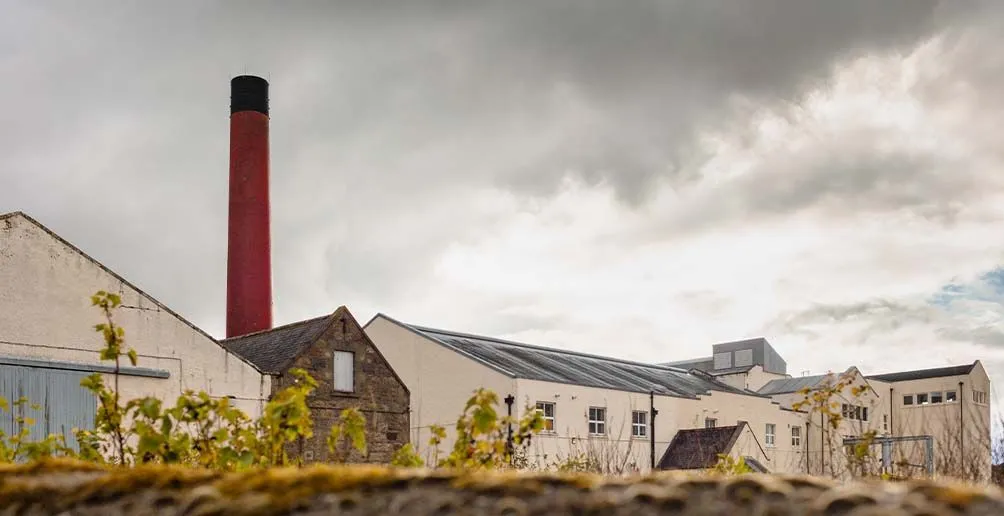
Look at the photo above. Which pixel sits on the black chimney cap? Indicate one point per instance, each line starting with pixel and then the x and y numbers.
pixel 248 93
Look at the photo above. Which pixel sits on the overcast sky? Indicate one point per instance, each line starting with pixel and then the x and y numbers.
pixel 637 179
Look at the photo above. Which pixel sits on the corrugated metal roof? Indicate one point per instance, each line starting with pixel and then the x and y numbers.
pixel 920 374
pixel 553 365
pixel 274 350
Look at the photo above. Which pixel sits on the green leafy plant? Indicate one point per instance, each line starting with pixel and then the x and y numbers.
pixel 348 433
pixel 482 437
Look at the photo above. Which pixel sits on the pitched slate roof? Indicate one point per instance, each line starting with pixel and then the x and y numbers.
pixel 920 374
pixel 698 448
pixel 530 362
pixel 274 350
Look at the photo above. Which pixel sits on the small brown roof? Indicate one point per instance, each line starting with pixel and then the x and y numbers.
pixel 699 448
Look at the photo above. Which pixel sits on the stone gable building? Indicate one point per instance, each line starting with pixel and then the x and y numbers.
pixel 350 372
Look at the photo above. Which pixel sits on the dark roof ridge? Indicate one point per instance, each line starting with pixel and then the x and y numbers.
pixel 968 368
pixel 126 282
pixel 275 328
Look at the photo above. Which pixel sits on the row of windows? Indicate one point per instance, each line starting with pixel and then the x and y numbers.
pixel 854 412
pixel 926 398
pixel 597 418
pixel 769 434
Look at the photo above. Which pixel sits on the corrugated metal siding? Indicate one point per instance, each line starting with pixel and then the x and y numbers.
pixel 63 403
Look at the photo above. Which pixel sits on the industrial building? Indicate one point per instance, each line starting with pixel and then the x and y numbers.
pixel 628 416
pixel 739 402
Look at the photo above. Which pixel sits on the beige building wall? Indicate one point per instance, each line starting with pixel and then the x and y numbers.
pixel 960 428
pixel 46 313
pixel 440 379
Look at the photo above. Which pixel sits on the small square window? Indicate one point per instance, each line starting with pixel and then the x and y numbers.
pixel 922 399
pixel 639 423
pixel 951 396
pixel 936 397
pixel 546 409
pixel 710 422
pixel 597 420
pixel 908 399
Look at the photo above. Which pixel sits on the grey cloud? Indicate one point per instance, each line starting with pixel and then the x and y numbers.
pixel 115 116
pixel 879 315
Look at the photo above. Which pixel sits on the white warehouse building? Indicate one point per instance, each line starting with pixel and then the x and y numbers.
pixel 739 402
pixel 48 342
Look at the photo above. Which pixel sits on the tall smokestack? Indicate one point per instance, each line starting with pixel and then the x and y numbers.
pixel 249 262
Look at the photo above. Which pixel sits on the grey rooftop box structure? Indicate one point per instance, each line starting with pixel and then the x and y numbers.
pixel 738 356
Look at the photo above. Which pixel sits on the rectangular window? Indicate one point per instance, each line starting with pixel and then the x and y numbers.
pixel 908 399
pixel 951 396
pixel 744 357
pixel 885 422
pixel 345 371
pixel 864 413
pixel 922 399
pixel 546 409
pixel 710 422
pixel 639 423
pixel 857 413
pixel 769 434
pixel 597 420
pixel 844 412
pixel 796 436
pixel 936 397
pixel 723 360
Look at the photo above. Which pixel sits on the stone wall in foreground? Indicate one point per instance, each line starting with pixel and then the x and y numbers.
pixel 61 487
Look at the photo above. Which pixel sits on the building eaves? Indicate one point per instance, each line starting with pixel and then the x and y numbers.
pixel 121 279
pixel 921 374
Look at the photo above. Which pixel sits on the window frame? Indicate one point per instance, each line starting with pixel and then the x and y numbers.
pixel 770 435
pixel 636 425
pixel 927 400
pixel 953 395
pixel 908 400
pixel 597 426
pixel 710 422
pixel 796 436
pixel 543 412
pixel 334 370
pixel 937 394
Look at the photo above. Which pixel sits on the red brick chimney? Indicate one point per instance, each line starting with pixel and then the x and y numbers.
pixel 249 262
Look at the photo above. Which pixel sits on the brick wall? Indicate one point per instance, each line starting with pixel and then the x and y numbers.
pixel 378 393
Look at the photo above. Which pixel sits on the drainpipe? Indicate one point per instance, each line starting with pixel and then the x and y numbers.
pixel 962 456
pixel 891 397
pixel 807 424
pixel 822 443
pixel 651 433
pixel 509 400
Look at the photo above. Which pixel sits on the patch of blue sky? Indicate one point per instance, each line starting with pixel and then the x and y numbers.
pixel 987 287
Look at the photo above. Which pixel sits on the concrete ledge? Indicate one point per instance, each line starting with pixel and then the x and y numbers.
pixel 65 487
pixel 80 366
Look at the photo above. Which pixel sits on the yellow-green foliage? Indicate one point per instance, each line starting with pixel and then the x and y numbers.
pixel 483 437
pixel 200 430
pixel 729 466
